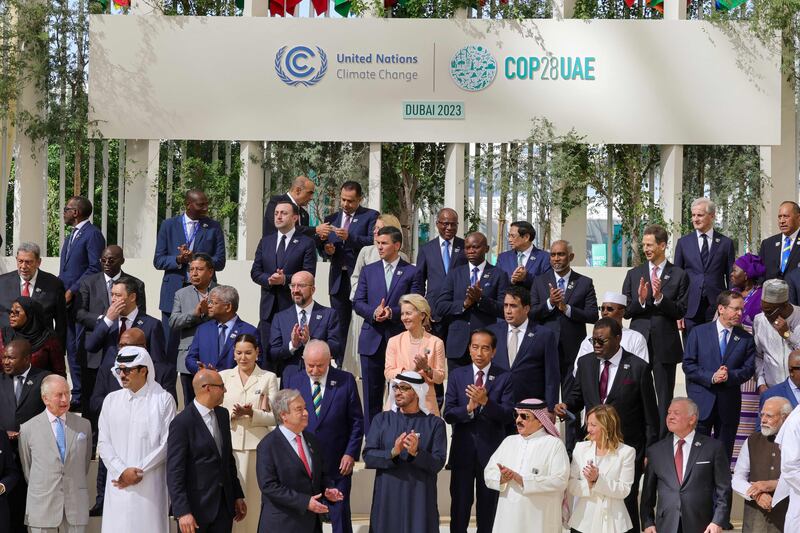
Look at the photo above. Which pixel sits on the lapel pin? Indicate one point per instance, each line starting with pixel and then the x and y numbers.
pixel 626 366
pixel 491 378
pixel 716 240
pixel 258 391
pixel 778 243
pixel 735 338
pixel 29 382
pixel 37 289
pixel 697 444
pixel 570 286
pixel 333 383
pixel 319 317
pixel 294 241
pixel 456 249
pixel 355 220
pixel 139 322
pixel 666 277
pixel 399 273
pixel 205 224
pixel 530 334
pixel 233 335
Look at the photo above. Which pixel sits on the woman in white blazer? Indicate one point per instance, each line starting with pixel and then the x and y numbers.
pixel 601 475
pixel 248 391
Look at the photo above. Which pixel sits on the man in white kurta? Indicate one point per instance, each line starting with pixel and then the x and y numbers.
pixel 789 482
pixel 531 472
pixel 132 441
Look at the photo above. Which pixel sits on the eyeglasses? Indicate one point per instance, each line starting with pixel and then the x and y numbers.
pixel 125 370
pixel 294 286
pixel 607 308
pixel 68 208
pixel 523 416
pixel 598 340
pixel 15 312
pixel 403 388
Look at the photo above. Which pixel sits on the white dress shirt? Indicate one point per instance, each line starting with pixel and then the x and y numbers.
pixel 322 381
pixel 659 271
pixel 289 234
pixel 612 370
pixel 31 283
pixel 792 240
pixel 720 329
pixel 76 229
pixel 297 309
pixel 520 336
pixel 632 342
pixel 52 418
pixel 550 306
pixel 449 248
pixel 710 234
pixel 481 268
pixel 526 255
pixel 485 371
pixel 291 436
pixel 393 263
pixel 191 229
pixel 210 420
pixel 18 382
pixel 687 447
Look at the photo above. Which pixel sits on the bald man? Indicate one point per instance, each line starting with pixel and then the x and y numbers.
pixel 201 471
pixel 299 194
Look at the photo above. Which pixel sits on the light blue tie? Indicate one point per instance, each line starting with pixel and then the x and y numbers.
pixel 520 258
pixel 61 440
pixel 389 270
pixel 446 256
pixel 787 249
pixel 723 343
pixel 474 278
pixel 561 284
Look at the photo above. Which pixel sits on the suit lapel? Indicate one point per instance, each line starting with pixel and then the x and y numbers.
pixel 47 432
pixel 396 275
pixel 331 386
pixel 290 450
pixel 231 336
pixel 205 431
pixel 623 372
pixel 570 288
pixel 527 340
pixel 70 437
pixel 697 445
pixel 501 356
pixel 314 321
pixel 27 385
pixel 732 342
pixel 456 249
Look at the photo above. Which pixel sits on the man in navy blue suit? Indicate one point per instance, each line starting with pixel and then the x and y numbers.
pixel 472 298
pixel 707 257
pixel 377 299
pixel 781 252
pixel 348 231
pixel 524 261
pixel 790 388
pixel 213 341
pixel 719 357
pixel 533 360
pixel 335 418
pixel 278 256
pixel 294 327
pixel 80 257
pixel 479 404
pixel 178 239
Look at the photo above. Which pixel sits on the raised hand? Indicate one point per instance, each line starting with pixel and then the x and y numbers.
pixel 643 289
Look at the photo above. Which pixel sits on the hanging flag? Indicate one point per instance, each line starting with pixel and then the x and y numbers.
pixel 658 5
pixel 123 3
pixel 282 7
pixel 630 3
pixel 103 4
pixel 727 5
pixel 342 7
pixel 320 6
pixel 240 4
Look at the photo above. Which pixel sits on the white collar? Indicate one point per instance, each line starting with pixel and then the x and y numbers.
pixel 202 409
pixel 615 360
pixel 307 308
pixel 289 234
pixel 792 237
pixel 289 194
pixel 393 263
pixel 522 327
pixel 688 439
pixel 322 381
pixel 710 234
pixel 481 267
pixel 24 374
pixel 485 369
pixel 79 225
pixel 52 418
pixel 565 277
pixel 131 317
pixel 720 327
pixel 660 266
pixel 442 240
pixel 32 281
pixel 115 278
pixel 187 219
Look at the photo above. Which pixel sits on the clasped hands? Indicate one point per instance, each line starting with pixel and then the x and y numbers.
pixel 300 336
pixel 241 411
pixel 557 298
pixel 130 476
pixel 278 278
pixel 761 493
pixel 720 376
pixel 507 475
pixel 477 396
pixel 474 293
pixel 184 255
pixel 644 286
pixel 383 312
pixel 408 441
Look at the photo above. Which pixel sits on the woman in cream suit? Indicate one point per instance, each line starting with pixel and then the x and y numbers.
pixel 248 390
pixel 601 475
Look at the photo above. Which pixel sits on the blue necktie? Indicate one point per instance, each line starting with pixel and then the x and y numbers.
pixel 221 340
pixel 61 440
pixel 303 319
pixel 787 249
pixel 474 278
pixel 446 256
pixel 561 284
pixel 723 343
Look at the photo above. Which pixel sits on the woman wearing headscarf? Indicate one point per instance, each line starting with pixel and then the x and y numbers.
pixel 27 321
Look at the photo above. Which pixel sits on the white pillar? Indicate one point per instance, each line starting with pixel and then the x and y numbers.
pixel 454 182
pixel 251 199
pixel 374 190
pixel 141 197
pixel 255 8
pixel 563 9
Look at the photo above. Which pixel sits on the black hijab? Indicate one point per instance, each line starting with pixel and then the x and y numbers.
pixel 36 329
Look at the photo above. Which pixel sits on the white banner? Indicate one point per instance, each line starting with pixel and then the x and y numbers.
pixel 617 81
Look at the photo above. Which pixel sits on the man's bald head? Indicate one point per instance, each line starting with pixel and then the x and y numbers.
pixel 132 337
pixel 208 387
pixel 302 288
pixel 302 190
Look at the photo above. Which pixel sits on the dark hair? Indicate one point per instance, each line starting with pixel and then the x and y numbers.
pixel 484 331
pixel 394 233
pixel 518 291
pixel 795 207
pixel 23 345
pixel 83 204
pixel 726 296
pixel 295 209
pixel 246 337
pixel 657 231
pixel 205 258
pixel 130 285
pixel 610 323
pixel 525 229
pixel 192 192
pixel 351 185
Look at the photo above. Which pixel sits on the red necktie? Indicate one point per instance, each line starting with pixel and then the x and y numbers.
pixel 604 381
pixel 26 291
pixel 479 379
pixel 302 454
pixel 679 461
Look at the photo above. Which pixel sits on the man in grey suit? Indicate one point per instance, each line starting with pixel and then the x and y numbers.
pixel 689 474
pixel 55 448
pixel 189 310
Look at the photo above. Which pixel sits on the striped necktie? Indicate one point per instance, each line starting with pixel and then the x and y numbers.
pixel 316 397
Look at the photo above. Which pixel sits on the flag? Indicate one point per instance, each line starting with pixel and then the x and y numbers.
pixel 282 7
pixel 727 5
pixel 342 7
pixel 123 3
pixel 240 4
pixel 320 6
pixel 630 3
pixel 658 5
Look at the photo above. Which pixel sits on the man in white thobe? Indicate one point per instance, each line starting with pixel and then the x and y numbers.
pixel 531 471
pixel 132 441
pixel 776 331
pixel 789 482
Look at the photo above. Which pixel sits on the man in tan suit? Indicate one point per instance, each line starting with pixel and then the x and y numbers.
pixel 55 448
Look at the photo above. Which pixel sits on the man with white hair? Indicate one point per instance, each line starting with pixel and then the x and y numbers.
pixel 789 483
pixel 531 471
pixel 758 468
pixel 132 441
pixel 613 306
pixel 407 447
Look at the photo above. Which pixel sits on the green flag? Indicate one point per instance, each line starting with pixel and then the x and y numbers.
pixel 342 7
pixel 240 4
pixel 727 5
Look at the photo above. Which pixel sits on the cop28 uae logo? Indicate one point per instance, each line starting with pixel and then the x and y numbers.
pixel 301 66
pixel 473 68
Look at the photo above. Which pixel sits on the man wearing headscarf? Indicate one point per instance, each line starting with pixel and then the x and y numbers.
pixel 777 333
pixel 407 447
pixel 133 429
pixel 531 471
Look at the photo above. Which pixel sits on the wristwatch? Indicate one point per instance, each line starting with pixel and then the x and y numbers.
pixel 787 334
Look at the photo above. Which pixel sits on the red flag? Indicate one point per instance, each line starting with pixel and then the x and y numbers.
pixel 282 7
pixel 320 6
pixel 630 3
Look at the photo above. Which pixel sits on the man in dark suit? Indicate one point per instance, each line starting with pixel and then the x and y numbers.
pixel 781 253
pixel 20 400
pixel 479 404
pixel 202 480
pixel 30 280
pixel 707 258
pixel 348 231
pixel 790 388
pixel 625 382
pixel 213 341
pixel 524 261
pixel 278 256
pixel 657 292
pixel 471 298
pixel 9 477
pixel 93 301
pixel 533 360
pixel 377 299
pixel 688 475
pixel 294 327
pixel 335 418
pixel 291 471
pixel 80 257
pixel 179 238
pixel 719 357
pixel 300 194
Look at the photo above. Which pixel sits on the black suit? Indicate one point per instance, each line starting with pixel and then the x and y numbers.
pixel 269 217
pixel 702 498
pixel 430 268
pixel 659 325
pixel 49 292
pixel 770 254
pixel 200 480
pixel 632 395
pixel 9 476
pixel 286 486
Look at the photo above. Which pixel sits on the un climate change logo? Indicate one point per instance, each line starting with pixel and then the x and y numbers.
pixel 296 67
pixel 473 68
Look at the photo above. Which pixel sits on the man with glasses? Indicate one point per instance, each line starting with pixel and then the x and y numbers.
pixel 292 328
pixel 777 333
pixel 614 376
pixel 719 357
pixel 524 261
pixel 132 442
